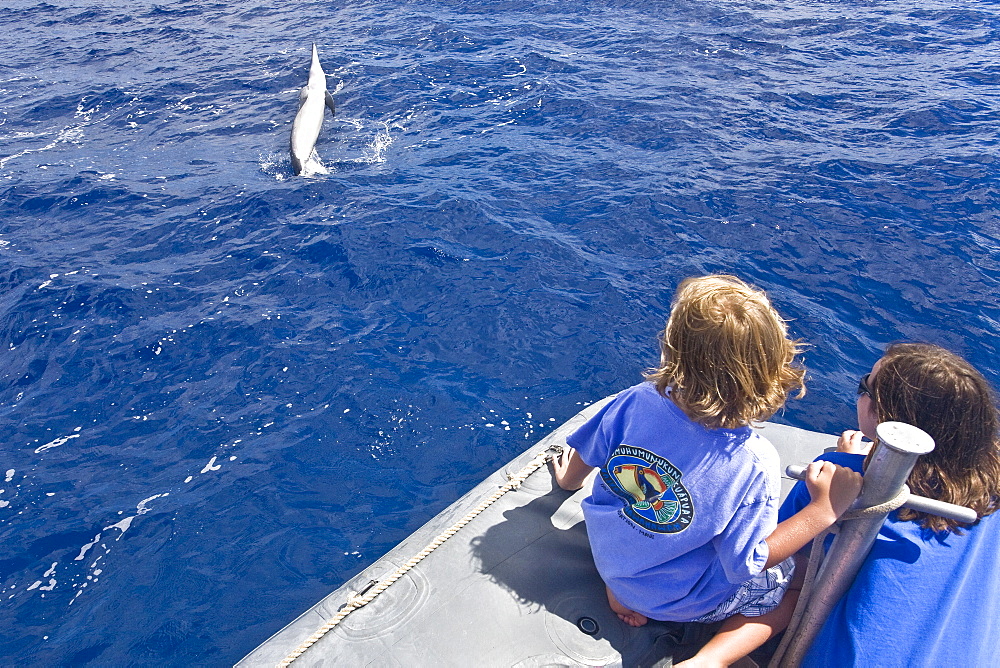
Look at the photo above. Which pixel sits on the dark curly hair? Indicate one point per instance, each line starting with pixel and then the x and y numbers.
pixel 938 391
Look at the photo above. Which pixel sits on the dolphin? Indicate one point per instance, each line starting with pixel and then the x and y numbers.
pixel 305 129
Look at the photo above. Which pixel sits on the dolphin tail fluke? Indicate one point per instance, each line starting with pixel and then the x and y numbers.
pixel 329 103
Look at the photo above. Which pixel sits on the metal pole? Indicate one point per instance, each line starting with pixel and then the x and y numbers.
pixel 921 504
pixel 899 446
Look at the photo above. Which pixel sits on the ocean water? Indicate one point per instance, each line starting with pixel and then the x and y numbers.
pixel 226 389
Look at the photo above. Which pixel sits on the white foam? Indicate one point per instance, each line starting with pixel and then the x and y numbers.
pixel 122 526
pixel 211 466
pixel 56 443
pixel 142 508
pixel 86 548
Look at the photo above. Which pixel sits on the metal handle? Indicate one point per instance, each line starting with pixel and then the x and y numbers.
pixel 921 504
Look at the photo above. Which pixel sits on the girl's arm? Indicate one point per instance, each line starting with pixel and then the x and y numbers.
pixel 853 441
pixel 833 489
pixel 570 470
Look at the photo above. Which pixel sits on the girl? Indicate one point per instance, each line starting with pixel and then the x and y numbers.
pixel 927 594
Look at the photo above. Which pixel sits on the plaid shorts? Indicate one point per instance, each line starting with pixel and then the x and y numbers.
pixel 756 596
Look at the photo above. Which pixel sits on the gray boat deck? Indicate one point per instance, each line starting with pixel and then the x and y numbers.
pixel 513 588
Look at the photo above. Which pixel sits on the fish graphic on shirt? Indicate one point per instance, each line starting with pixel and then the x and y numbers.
pixel 650 487
pixel 647 486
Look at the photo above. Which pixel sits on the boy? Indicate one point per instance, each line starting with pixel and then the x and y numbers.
pixel 682 518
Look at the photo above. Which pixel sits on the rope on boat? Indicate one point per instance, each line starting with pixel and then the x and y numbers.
pixel 356 601
pixel 816 554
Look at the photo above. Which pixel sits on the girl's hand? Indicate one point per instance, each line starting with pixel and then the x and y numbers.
pixel 851 441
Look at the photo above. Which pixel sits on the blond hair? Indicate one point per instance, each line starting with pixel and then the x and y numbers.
pixel 725 354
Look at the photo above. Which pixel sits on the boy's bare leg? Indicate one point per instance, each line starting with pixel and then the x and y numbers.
pixel 741 635
pixel 630 617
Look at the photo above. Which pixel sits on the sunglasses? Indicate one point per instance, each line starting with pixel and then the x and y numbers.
pixel 863 385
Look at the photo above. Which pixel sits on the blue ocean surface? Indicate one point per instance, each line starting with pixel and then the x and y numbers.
pixel 227 389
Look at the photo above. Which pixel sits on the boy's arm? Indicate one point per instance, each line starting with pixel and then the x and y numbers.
pixel 833 489
pixel 570 470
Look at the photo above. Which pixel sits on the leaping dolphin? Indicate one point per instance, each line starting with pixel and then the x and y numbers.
pixel 309 119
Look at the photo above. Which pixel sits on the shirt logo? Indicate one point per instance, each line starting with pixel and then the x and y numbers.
pixel 651 489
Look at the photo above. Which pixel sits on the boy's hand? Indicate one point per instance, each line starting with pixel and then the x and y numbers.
pixel 832 488
pixel 851 441
pixel 570 470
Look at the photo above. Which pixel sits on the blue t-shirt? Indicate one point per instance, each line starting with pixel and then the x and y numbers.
pixel 678 515
pixel 920 599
